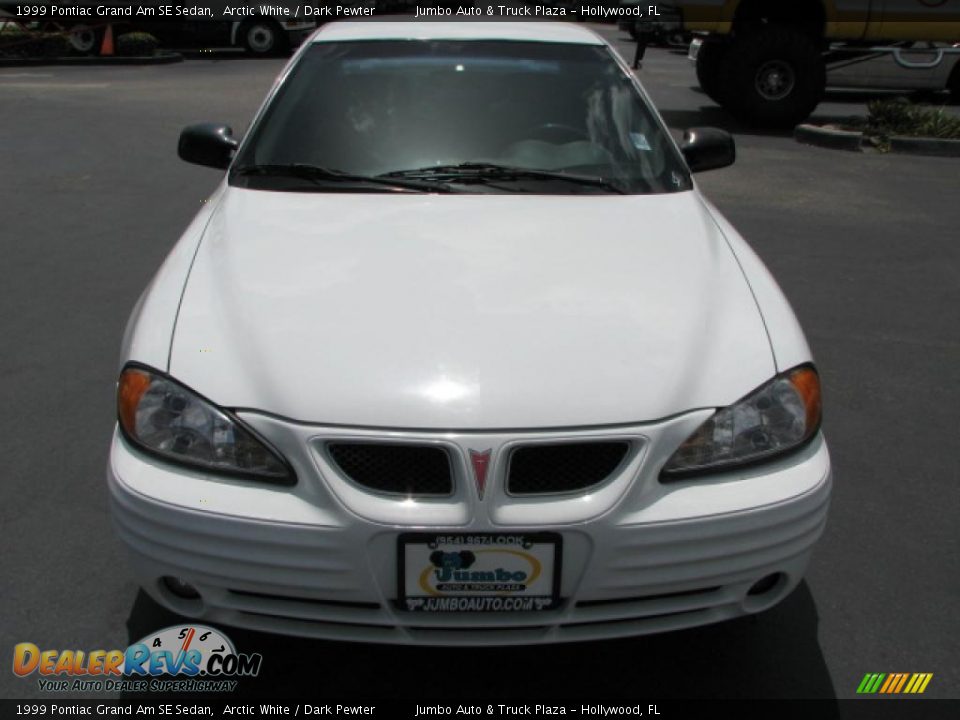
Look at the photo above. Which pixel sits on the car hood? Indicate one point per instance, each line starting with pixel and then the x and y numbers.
pixel 467 311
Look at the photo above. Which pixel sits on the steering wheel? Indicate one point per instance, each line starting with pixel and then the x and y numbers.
pixel 559 130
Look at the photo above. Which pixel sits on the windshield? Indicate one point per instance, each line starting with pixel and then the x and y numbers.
pixel 471 115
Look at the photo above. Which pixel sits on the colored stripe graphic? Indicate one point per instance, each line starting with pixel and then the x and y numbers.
pixel 891 679
pixel 903 680
pixel 918 683
pixel 894 683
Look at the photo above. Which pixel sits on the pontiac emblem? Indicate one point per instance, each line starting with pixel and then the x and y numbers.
pixel 480 462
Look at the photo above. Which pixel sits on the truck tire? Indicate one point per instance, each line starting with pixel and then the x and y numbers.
pixel 262 37
pixel 710 61
pixel 953 84
pixel 772 76
pixel 83 39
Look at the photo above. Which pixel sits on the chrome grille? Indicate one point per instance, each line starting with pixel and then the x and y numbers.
pixel 394 468
pixel 563 467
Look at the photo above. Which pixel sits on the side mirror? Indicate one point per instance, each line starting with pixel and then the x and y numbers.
pixel 707 148
pixel 207 144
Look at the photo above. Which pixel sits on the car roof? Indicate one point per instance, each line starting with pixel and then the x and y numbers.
pixel 550 32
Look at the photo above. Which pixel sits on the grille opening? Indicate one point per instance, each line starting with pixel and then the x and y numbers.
pixel 647 598
pixel 640 619
pixel 316 623
pixel 563 468
pixel 474 629
pixel 306 601
pixel 395 469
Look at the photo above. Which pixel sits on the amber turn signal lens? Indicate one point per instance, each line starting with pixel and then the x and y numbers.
pixel 133 384
pixel 807 384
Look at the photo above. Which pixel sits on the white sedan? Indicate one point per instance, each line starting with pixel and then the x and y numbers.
pixel 457 353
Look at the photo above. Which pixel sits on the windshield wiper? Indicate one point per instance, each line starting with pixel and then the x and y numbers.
pixel 318 174
pixel 475 172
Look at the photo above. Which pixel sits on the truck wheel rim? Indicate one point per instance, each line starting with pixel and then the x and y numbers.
pixel 82 39
pixel 775 80
pixel 260 38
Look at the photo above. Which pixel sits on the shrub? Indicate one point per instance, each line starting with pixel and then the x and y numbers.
pixel 15 41
pixel 136 44
pixel 886 118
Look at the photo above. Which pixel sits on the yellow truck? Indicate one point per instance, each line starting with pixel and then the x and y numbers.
pixel 766 60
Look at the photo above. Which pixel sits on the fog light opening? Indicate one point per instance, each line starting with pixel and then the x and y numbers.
pixel 181 588
pixel 764 585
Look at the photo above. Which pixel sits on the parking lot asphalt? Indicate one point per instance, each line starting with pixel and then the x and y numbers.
pixel 92 197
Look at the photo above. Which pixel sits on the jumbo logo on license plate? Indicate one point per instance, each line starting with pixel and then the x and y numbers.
pixel 479 572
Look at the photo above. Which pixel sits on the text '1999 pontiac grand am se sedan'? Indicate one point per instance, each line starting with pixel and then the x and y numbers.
pixel 457 353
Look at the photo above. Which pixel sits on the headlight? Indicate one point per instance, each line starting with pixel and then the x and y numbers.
pixel 164 418
pixel 778 417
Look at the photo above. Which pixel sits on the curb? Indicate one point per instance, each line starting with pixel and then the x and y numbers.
pixel 854 141
pixel 828 137
pixel 933 147
pixel 160 59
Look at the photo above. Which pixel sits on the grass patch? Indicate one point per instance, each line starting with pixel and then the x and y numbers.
pixel 901 117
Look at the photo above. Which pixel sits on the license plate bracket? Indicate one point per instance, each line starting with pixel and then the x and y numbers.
pixel 479 572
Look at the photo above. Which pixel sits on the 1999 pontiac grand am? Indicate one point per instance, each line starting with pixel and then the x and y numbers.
pixel 457 353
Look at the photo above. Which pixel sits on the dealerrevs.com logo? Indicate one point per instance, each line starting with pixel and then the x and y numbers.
pixel 192 658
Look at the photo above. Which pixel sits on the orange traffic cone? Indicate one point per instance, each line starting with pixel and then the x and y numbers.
pixel 106 47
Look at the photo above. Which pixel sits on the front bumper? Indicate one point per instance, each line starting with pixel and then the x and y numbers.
pixel 315 560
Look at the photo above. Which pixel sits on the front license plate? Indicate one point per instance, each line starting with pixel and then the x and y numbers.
pixel 482 572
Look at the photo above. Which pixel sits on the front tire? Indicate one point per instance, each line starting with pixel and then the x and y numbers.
pixel 710 60
pixel 773 76
pixel 262 37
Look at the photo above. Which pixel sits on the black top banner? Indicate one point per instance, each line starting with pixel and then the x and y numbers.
pixel 71 12
pixel 696 14
pixel 319 11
